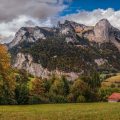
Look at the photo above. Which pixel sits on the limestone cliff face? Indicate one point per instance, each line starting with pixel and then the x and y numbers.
pixel 102 31
pixel 105 32
pixel 25 61
pixel 30 34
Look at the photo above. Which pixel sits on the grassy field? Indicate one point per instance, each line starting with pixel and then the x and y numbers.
pixel 112 80
pixel 93 111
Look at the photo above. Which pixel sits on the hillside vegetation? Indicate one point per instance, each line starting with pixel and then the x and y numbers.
pixel 113 81
pixel 20 87
pixel 55 52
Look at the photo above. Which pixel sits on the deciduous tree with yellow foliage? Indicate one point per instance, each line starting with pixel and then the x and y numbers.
pixel 7 81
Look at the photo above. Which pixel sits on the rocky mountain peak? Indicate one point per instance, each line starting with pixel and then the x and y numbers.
pixel 102 31
pixel 31 34
pixel 67 22
pixel 103 22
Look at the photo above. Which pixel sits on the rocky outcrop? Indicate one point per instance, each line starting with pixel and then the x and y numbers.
pixel 102 31
pixel 31 34
pixel 105 32
pixel 25 61
pixel 100 61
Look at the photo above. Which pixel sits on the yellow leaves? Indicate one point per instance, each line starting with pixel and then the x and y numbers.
pixel 37 87
pixel 7 78
pixel 4 58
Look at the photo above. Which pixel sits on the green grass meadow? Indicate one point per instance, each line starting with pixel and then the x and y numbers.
pixel 87 111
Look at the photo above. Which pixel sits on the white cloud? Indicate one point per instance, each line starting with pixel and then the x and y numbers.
pixel 8 29
pixel 18 13
pixel 92 17
pixel 34 8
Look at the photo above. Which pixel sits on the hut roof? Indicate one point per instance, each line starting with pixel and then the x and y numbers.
pixel 115 96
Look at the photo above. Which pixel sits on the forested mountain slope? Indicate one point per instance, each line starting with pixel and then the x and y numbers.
pixel 70 49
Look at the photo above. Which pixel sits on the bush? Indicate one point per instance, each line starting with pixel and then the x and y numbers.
pixel 57 99
pixel 79 87
pixel 112 85
pixel 38 100
pixel 71 98
pixel 7 101
pixel 81 99
pixel 22 93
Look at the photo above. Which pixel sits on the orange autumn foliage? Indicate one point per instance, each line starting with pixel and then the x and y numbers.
pixel 37 87
pixel 7 78
pixel 4 58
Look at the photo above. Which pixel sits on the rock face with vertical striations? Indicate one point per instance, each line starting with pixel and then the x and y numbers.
pixel 69 49
pixel 102 31
pixel 105 32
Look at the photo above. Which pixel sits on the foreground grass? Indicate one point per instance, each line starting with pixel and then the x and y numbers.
pixel 93 111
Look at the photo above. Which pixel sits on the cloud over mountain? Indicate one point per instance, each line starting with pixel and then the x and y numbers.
pixel 8 29
pixel 18 13
pixel 92 17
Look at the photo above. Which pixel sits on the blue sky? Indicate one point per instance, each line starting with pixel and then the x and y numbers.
pixel 90 5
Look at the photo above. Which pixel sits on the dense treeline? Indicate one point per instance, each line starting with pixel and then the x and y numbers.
pixel 30 90
pixel 19 87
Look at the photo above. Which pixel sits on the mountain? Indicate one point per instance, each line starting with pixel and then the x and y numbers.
pixel 69 49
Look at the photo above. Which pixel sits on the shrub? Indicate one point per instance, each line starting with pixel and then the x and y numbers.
pixel 57 98
pixel 38 100
pixel 71 98
pixel 81 99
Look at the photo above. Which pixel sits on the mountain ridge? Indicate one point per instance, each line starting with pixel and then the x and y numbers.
pixel 68 48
